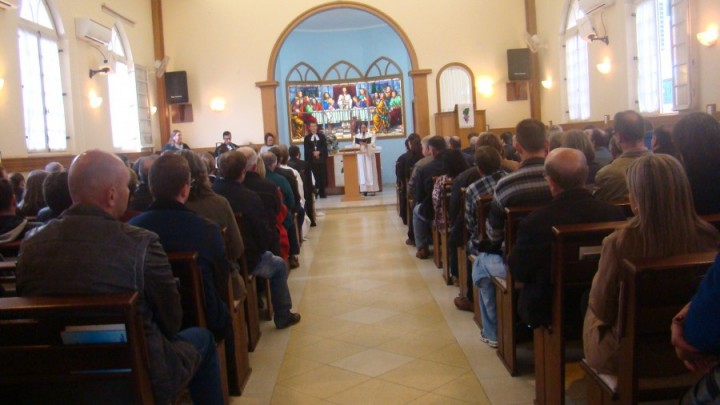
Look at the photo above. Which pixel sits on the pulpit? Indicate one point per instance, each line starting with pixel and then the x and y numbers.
pixel 352 186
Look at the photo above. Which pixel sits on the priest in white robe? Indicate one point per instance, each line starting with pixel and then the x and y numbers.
pixel 367 169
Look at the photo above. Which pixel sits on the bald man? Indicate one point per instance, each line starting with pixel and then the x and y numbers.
pixel 88 251
pixel 531 257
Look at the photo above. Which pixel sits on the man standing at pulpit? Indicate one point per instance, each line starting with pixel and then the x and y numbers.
pixel 367 171
pixel 316 153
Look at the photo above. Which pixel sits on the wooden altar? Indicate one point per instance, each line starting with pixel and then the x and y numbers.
pixel 336 184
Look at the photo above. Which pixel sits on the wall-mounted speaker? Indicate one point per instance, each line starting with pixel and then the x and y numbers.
pixel 518 64
pixel 176 89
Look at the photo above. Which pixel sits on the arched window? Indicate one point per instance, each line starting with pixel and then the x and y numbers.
pixel 123 94
pixel 43 98
pixel 456 85
pixel 663 74
pixel 577 77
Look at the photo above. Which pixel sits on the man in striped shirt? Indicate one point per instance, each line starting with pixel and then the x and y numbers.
pixel 524 187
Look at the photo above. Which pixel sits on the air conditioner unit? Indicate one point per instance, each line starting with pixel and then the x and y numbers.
pixel 590 6
pixel 92 31
pixel 4 4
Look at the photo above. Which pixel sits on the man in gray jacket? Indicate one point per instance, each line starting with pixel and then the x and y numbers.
pixel 88 251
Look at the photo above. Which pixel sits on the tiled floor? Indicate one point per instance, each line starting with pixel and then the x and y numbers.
pixel 378 326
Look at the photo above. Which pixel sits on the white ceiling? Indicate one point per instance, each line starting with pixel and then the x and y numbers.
pixel 340 19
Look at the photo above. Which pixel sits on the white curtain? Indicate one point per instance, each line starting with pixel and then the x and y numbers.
pixel 455 88
pixel 648 80
pixel 577 77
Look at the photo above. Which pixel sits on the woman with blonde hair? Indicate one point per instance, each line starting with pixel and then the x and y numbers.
pixel 33 200
pixel 665 224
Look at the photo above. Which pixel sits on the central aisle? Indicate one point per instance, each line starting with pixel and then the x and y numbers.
pixel 372 330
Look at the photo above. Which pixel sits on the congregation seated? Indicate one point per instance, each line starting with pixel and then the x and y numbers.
pixel 142 198
pixel 696 337
pixel 12 226
pixel 33 200
pixel 600 140
pixel 17 180
pixel 296 200
pixel 658 186
pixel 260 259
pixel 57 196
pixel 216 208
pixel 182 230
pixel 54 167
pixel 576 139
pixel 697 136
pixel 610 181
pixel 423 211
pixel 226 144
pixel 403 167
pixel 490 139
pixel 106 256
pixel 531 256
pixel 524 187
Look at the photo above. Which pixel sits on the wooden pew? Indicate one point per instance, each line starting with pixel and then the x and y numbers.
pixel 653 292
pixel 713 219
pixel 7 278
pixel 34 357
pixel 192 298
pixel 569 270
pixel 482 211
pixel 462 249
pixel 252 312
pixel 10 249
pixel 507 293
pixel 445 233
pixel 240 362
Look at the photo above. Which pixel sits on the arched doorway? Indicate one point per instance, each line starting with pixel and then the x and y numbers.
pixel 418 77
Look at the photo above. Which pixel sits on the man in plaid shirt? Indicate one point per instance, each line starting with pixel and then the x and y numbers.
pixel 524 187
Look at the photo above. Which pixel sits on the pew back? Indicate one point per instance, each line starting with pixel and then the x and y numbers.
pixel 33 353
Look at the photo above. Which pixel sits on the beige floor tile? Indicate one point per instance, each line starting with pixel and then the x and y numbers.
pixel 451 355
pixel 369 336
pixel 466 388
pixel 367 315
pixel 299 339
pixel 327 327
pixel 415 345
pixel 294 366
pixel 372 362
pixel 324 382
pixel 508 390
pixel 326 309
pixel 410 323
pixel 435 399
pixel 364 284
pixel 326 351
pixel 377 392
pixel 423 375
pixel 283 396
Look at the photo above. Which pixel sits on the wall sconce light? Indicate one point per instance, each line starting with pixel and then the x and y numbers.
pixel 605 66
pixel 485 86
pixel 104 70
pixel 217 104
pixel 95 100
pixel 709 36
pixel 547 83
pixel 153 109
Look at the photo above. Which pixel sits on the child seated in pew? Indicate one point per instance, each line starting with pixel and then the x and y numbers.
pixel 665 224
pixel 12 226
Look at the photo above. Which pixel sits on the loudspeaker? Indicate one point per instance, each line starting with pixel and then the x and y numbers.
pixel 176 89
pixel 518 64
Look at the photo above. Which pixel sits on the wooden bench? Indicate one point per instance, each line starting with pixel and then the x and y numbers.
pixel 653 292
pixel 34 356
pixel 252 311
pixel 10 249
pixel 575 257
pixel 482 209
pixel 507 294
pixel 192 298
pixel 437 257
pixel 462 253
pixel 713 219
pixel 445 232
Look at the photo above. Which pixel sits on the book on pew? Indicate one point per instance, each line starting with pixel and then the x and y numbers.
pixel 94 334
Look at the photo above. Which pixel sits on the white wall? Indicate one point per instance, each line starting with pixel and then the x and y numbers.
pixel 91 126
pixel 225 48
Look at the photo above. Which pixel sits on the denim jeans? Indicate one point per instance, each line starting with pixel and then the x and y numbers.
pixel 205 385
pixel 421 227
pixel 705 391
pixel 274 268
pixel 487 266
